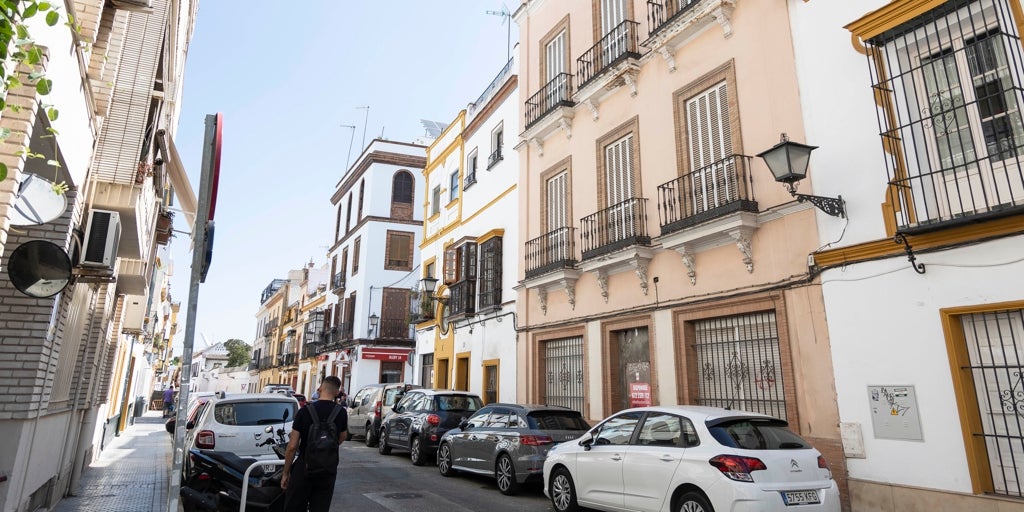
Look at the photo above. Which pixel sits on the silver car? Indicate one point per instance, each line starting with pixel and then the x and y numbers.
pixel 508 441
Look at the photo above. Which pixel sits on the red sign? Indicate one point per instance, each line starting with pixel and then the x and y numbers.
pixel 639 394
pixel 386 354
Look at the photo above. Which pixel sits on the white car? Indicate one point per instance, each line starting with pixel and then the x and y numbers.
pixel 689 459
pixel 237 424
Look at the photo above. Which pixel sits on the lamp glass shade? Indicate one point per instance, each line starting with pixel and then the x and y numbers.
pixel 374 319
pixel 788 161
pixel 429 283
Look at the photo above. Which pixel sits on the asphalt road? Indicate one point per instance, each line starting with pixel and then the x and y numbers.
pixel 370 482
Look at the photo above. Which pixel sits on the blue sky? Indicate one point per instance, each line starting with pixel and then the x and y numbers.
pixel 286 79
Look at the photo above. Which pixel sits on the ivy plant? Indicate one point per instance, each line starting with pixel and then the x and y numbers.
pixel 21 64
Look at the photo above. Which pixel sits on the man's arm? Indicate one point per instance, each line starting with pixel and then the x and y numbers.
pixel 289 456
pixel 342 437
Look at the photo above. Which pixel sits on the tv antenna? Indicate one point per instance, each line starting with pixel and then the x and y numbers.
pixel 506 17
pixel 350 139
pixel 365 120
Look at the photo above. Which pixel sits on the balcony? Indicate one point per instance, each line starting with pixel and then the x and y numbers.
pixel 462 298
pixel 345 330
pixel 289 360
pixel 608 65
pixel 548 109
pixel 312 349
pixel 962 195
pixel 338 281
pixel 394 328
pixel 717 190
pixel 671 23
pixel 551 251
pixel 616 227
pixel 493 159
pixel 266 363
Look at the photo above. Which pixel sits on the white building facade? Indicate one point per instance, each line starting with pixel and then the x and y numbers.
pixel 923 283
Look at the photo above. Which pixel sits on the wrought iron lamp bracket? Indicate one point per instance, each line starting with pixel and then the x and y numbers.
pixel 901 238
pixel 834 206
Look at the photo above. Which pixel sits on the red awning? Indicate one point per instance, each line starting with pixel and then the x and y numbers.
pixel 386 354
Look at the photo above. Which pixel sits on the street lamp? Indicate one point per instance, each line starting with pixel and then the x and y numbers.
pixel 788 161
pixel 374 320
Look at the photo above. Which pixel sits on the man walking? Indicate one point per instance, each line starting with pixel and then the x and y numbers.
pixel 168 400
pixel 311 485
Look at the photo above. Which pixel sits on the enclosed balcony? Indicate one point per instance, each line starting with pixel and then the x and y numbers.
pixel 551 251
pixel 616 227
pixel 716 190
pixel 462 298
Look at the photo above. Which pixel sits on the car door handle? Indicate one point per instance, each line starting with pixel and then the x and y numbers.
pixel 667 458
pixel 616 457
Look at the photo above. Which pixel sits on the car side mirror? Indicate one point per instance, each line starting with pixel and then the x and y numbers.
pixel 586 441
pixel 397 408
pixel 464 424
pixel 190 425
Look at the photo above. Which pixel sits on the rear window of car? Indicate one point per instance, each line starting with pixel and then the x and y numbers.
pixel 556 420
pixel 247 414
pixel 756 434
pixel 457 403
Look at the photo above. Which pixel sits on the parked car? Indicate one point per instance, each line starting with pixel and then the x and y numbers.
pixel 195 399
pixel 370 405
pixel 418 421
pixel 237 424
pixel 508 441
pixel 300 398
pixel 284 389
pixel 689 458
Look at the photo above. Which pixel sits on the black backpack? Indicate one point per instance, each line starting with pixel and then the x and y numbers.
pixel 321 452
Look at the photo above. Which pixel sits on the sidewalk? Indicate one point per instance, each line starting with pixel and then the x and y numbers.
pixel 131 474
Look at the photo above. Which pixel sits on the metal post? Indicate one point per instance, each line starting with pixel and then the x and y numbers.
pixel 199 242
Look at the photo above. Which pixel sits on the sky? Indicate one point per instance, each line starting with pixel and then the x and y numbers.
pixel 286 77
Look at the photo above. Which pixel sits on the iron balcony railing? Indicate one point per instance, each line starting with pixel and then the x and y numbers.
pixel 345 328
pixel 266 362
pixel 616 227
pixel 556 93
pixel 289 359
pixel 710 192
pixel 394 328
pixel 254 366
pixel 493 87
pixel 661 12
pixel 490 298
pixel 462 299
pixel 621 43
pixel 494 158
pixel 553 250
pixel 338 281
pixel 312 349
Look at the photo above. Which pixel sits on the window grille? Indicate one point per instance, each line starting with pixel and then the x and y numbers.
pixel 739 365
pixel 995 347
pixel 491 387
pixel 490 273
pixel 427 371
pixel 563 368
pixel 950 84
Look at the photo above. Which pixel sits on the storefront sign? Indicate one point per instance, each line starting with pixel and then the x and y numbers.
pixel 639 394
pixel 386 354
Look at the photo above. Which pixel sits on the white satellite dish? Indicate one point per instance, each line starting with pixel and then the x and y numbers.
pixel 35 201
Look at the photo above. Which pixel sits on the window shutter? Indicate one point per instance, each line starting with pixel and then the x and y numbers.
pixel 496 265
pixel 468 261
pixel 450 260
pixel 708 127
pixel 557 193
pixel 555 56
pixel 619 170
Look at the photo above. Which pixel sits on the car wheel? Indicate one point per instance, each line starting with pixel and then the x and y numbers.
pixel 382 445
pixel 371 436
pixel 416 452
pixel 444 460
pixel 562 491
pixel 694 502
pixel 505 474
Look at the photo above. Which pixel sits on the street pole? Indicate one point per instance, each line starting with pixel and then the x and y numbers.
pixel 210 166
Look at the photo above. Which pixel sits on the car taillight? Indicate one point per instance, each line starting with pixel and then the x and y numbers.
pixel 535 440
pixel 377 408
pixel 736 467
pixel 206 439
pixel 204 477
pixel 433 419
pixel 823 464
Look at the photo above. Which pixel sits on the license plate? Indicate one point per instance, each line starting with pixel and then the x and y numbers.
pixel 800 497
pixel 269 468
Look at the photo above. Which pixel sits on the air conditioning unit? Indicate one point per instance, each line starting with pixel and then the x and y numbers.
pixel 102 234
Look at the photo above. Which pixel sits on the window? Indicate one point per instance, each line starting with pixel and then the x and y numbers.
pixel 622 215
pixel 490 273
pixel 355 255
pixel 617 430
pixel 391 371
pixel 402 189
pixel 555 52
pixel 563 372
pixel 471 165
pixel 431 267
pixel 460 263
pixel 491 383
pixel 712 174
pixel 247 414
pixel 453 185
pixel 435 201
pixel 344 263
pixel 427 370
pixel 359 210
pixel 497 140
pixel 337 225
pixel 399 251
pixel 952 80
pixel 739 363
pixel 394 312
pixel 348 214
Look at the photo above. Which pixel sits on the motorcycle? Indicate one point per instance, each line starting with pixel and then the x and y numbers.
pixel 216 480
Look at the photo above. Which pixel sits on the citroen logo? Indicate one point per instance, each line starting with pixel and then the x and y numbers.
pixel 257 435
pixel 793 464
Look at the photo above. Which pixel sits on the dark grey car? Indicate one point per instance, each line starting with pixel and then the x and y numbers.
pixel 508 441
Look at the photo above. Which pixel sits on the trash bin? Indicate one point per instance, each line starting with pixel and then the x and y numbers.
pixel 140 406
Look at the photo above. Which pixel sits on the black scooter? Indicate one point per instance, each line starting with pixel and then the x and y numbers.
pixel 215 480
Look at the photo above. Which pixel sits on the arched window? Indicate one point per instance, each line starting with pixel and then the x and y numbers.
pixel 348 214
pixel 359 210
pixel 402 195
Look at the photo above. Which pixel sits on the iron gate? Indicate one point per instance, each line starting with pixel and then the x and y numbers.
pixel 563 368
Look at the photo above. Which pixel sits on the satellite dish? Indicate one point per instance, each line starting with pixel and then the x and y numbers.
pixel 35 201
pixel 39 269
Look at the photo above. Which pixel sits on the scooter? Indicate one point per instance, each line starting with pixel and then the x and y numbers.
pixel 216 482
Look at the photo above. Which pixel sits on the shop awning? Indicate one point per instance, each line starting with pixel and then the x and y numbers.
pixel 179 179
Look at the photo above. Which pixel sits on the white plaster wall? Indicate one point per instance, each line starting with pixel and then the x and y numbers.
pixel 884 328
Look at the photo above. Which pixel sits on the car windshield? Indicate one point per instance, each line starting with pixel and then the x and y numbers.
pixel 556 420
pixel 458 403
pixel 252 413
pixel 756 434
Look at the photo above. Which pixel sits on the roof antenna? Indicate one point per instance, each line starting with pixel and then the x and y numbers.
pixel 365 120
pixel 351 137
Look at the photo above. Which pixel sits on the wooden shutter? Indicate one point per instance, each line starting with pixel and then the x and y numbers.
pixel 557 194
pixel 554 54
pixel 613 12
pixel 395 313
pixel 619 170
pixel 710 141
pixel 450 262
pixel 355 256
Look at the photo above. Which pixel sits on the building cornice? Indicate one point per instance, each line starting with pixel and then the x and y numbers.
pixel 375 157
